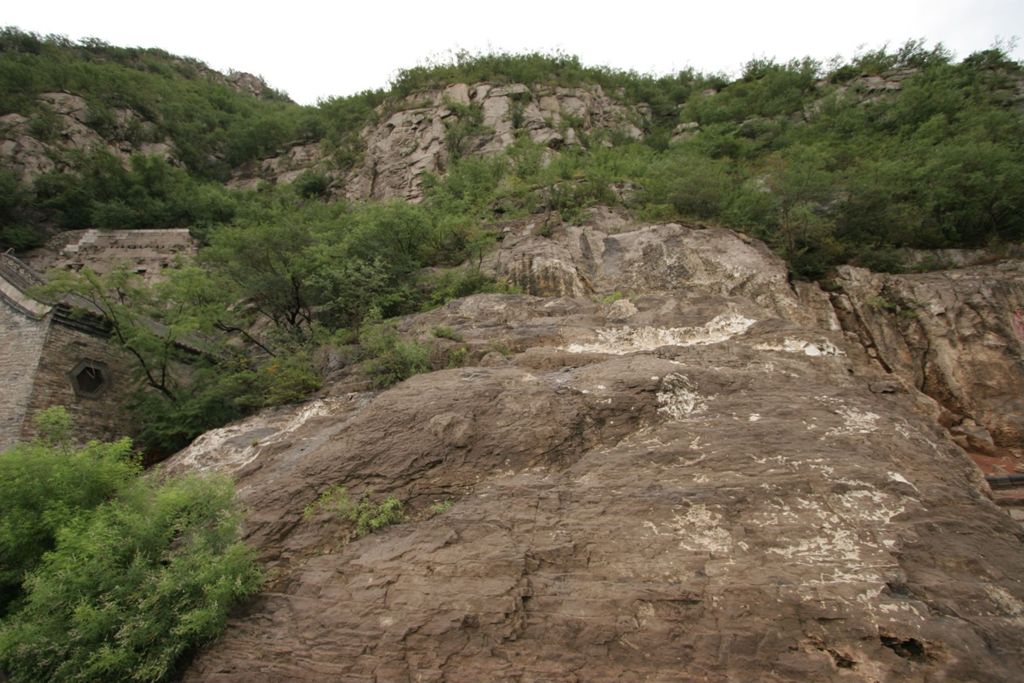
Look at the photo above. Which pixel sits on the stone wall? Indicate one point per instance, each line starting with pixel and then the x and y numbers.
pixel 146 252
pixel 102 416
pixel 21 341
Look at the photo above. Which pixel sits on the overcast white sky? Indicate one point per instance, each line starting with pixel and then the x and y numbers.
pixel 319 49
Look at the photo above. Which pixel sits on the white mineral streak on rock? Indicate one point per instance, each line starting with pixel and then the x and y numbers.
pixel 808 348
pixel 854 422
pixel 700 530
pixel 846 548
pixel 621 340
pixel 870 505
pixel 896 476
pixel 679 398
pixel 1003 598
pixel 228 449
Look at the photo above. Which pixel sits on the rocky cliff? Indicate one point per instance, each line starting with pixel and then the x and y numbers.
pixel 30 148
pixel 664 463
pixel 427 129
pixel 425 132
pixel 956 336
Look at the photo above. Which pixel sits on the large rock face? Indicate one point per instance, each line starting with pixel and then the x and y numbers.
pixel 703 480
pixel 418 137
pixel 424 132
pixel 29 152
pixel 958 335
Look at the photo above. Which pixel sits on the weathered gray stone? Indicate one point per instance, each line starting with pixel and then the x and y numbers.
pixel 30 157
pixel 412 140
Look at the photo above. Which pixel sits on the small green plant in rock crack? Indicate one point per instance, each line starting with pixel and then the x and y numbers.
pixel 902 308
pixel 445 332
pixel 460 129
pixel 365 514
pixel 500 347
pixel 441 507
pixel 612 298
pixel 457 357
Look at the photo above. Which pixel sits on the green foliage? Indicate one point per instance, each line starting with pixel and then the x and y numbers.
pixel 765 89
pixel 389 359
pixel 821 174
pixel 456 283
pixel 500 347
pixel 461 128
pixel 612 298
pixel 913 54
pixel 44 485
pixel 15 202
pixel 312 184
pixel 457 356
pixel 663 93
pixel 366 515
pixel 441 507
pixel 132 588
pixel 212 126
pixel 151 193
pixel 445 332
pixel 288 378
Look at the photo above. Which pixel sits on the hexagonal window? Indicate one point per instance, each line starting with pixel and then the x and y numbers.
pixel 89 378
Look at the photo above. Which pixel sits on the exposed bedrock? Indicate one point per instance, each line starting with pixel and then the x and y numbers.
pixel 701 478
pixel 958 335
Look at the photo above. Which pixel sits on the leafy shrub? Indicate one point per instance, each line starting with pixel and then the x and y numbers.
pixel 445 332
pixel 288 378
pixel 457 356
pixel 106 575
pixel 221 392
pixel 456 283
pixel 441 507
pixel 611 298
pixel 462 128
pixel 389 359
pixel 132 588
pixel 312 184
pixel 44 485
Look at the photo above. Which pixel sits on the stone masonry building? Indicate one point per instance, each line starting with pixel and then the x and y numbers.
pixel 60 354
pixel 50 355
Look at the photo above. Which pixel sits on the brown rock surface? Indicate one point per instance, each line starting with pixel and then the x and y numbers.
pixel 957 335
pixel 609 258
pixel 692 483
pixel 283 168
